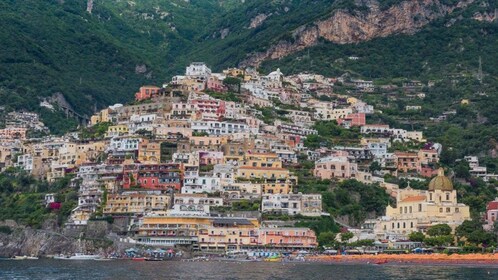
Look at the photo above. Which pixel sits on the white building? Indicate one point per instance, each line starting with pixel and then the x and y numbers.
pixel 292 204
pixel 201 184
pixel 218 128
pixel 198 69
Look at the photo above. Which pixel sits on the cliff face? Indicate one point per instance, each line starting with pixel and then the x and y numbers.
pixel 42 242
pixel 343 27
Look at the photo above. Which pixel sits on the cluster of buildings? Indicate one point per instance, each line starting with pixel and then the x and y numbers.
pixel 202 171
pixel 418 210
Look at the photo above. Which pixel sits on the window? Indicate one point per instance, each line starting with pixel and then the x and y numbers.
pixel 448 209
pixel 457 210
pixel 420 208
pixel 447 196
pixel 440 210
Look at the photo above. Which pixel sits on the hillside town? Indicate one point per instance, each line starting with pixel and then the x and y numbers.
pixel 209 161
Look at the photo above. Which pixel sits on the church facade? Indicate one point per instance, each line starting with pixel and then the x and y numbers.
pixel 418 210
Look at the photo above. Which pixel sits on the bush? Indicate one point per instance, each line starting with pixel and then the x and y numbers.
pixel 5 229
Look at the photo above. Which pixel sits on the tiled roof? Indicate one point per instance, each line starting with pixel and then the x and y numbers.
pixel 414 198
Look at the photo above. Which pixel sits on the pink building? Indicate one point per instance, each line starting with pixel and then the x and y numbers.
pixel 215 84
pixel 338 166
pixel 215 107
pixel 355 119
pixel 287 238
pixel 210 158
pixel 491 214
pixel 13 133
pixel 146 92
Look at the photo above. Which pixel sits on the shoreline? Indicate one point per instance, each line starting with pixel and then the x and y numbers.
pixel 470 259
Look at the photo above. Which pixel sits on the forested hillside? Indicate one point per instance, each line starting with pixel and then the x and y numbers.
pixel 98 55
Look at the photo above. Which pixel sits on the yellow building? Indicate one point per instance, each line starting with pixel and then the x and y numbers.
pixel 418 210
pixel 234 72
pixel 161 230
pixel 228 234
pixel 277 187
pixel 117 130
pixel 136 202
pixel 352 100
pixel 102 116
pixel 88 152
pixel 149 151
pixel 262 160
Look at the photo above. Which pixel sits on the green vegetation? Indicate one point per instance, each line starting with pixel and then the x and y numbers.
pixel 227 96
pixel 5 229
pixel 97 131
pixel 245 205
pixel 21 198
pixel 331 134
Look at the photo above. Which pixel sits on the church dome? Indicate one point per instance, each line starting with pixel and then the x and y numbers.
pixel 440 182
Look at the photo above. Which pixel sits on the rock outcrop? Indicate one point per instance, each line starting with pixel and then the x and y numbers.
pixel 258 20
pixel 344 27
pixel 96 238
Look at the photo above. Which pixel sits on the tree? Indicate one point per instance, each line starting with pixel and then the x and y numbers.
pixel 326 238
pixel 416 236
pixel 462 170
pixel 346 236
pixel 375 166
pixel 473 232
pixel 440 240
pixel 439 230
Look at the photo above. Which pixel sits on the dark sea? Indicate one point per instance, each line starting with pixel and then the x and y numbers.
pixel 119 269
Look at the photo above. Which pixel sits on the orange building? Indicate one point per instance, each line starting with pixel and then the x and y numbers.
pixel 287 238
pixel 146 92
pixel 407 161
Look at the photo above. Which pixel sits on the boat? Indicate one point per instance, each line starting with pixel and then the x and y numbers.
pixel 77 257
pixel 273 259
pixel 19 258
pixel 153 259
pixel 138 259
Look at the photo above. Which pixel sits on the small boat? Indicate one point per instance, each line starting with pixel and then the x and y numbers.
pixel 138 259
pixel 78 257
pixel 273 259
pixel 20 258
pixel 153 259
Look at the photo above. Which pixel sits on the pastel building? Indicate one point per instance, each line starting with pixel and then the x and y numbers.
pixel 287 238
pixel 339 166
pixel 166 176
pixel 418 210
pixel 136 202
pixel 146 92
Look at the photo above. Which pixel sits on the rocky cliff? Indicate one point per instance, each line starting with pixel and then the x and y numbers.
pixel 366 23
pixel 96 238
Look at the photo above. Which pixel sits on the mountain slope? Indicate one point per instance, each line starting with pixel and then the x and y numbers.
pixel 100 56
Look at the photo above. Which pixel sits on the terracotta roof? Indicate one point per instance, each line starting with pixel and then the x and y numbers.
pixel 493 205
pixel 414 198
